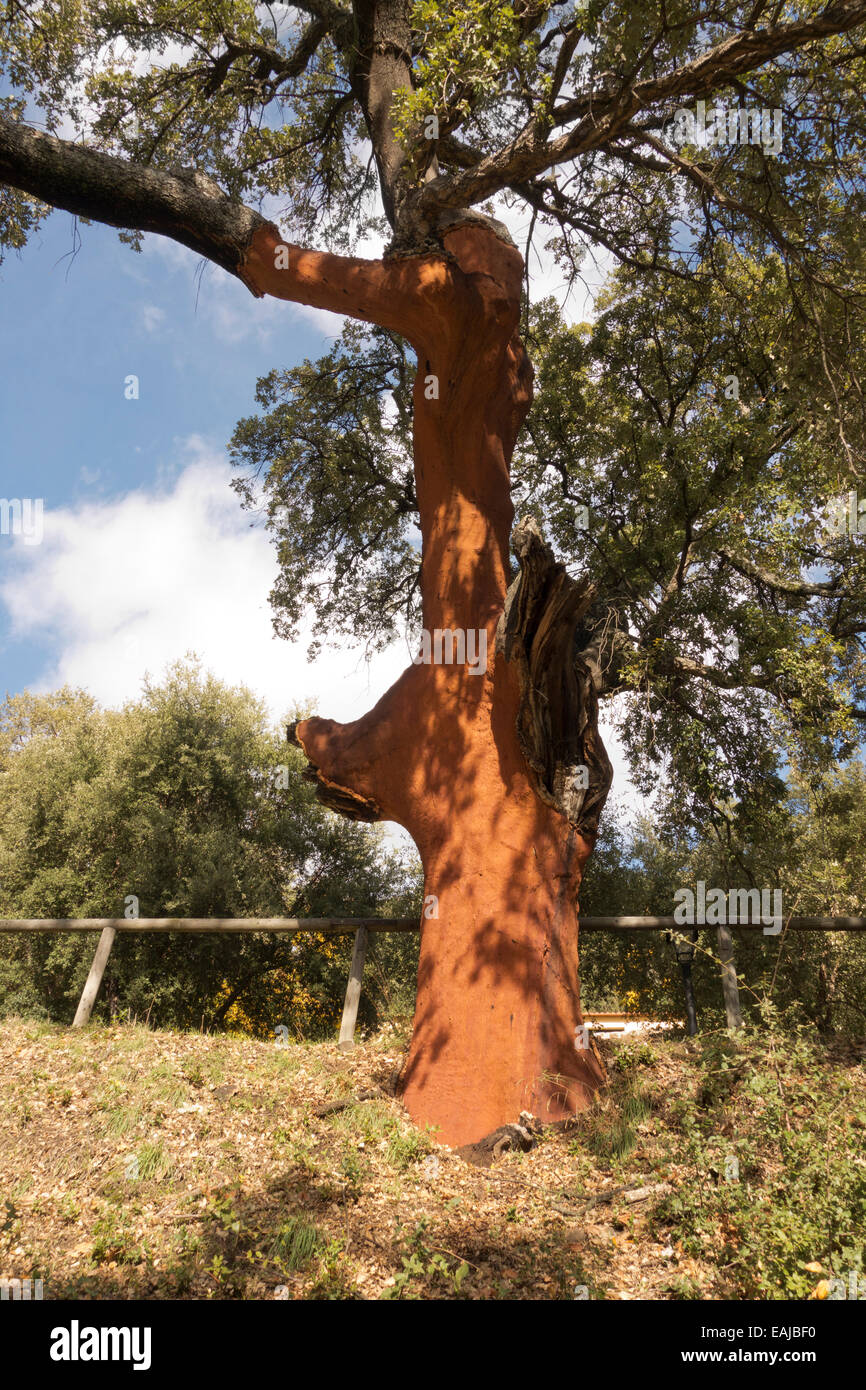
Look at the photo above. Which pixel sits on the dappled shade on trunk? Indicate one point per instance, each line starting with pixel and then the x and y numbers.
pixel 499 775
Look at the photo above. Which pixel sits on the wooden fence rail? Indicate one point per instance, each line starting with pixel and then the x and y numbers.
pixel 209 924
pixel 352 924
pixel 361 927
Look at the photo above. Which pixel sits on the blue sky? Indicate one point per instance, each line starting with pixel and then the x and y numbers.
pixel 146 552
pixel 72 329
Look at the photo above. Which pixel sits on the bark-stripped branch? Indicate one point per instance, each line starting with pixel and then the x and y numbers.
pixel 400 294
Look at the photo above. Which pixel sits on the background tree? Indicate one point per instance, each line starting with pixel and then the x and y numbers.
pixel 809 845
pixel 189 800
pixel 566 109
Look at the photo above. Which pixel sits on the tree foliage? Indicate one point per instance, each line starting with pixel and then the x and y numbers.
pixel 679 453
pixel 809 847
pixel 190 801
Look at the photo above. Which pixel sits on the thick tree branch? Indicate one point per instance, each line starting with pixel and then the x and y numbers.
pixel 188 207
pixel 686 666
pixel 796 588
pixel 602 114
pixel 383 67
pixel 402 294
pixel 272 64
pixel 742 52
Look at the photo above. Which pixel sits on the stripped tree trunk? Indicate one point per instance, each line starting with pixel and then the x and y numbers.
pixel 498 776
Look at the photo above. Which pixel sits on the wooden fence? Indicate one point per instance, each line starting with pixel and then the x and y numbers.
pixel 362 926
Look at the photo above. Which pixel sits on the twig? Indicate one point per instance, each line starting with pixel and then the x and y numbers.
pixel 333 1107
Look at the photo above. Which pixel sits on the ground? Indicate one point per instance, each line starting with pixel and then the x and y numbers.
pixel 143 1164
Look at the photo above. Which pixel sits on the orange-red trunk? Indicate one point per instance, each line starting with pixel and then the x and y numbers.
pixel 497 1023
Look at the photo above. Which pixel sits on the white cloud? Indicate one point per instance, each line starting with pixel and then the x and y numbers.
pixel 152 317
pixel 127 585
pixel 130 584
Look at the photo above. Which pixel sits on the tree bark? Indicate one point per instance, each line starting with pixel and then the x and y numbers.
pixel 485 771
pixel 383 67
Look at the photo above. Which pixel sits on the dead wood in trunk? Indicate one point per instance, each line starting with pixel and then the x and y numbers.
pixel 558 720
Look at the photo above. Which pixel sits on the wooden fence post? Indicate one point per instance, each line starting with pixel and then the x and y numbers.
pixel 353 991
pixel 730 988
pixel 94 979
